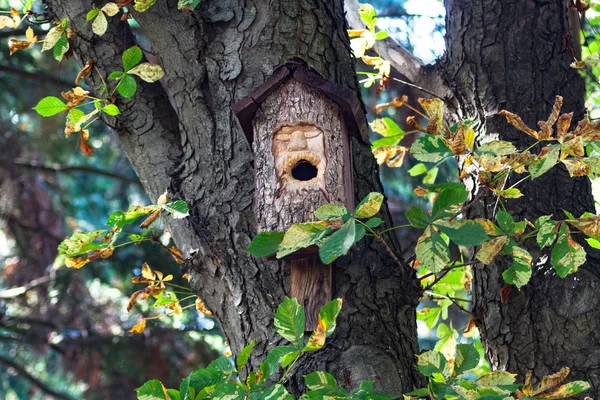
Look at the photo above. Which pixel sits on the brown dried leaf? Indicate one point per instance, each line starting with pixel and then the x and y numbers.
pixel 470 326
pixel 577 167
pixel 202 308
pixel 151 218
pixel 573 147
pixel 15 45
pixel 412 122
pixel 562 126
pixel 457 144
pixel 85 71
pixel 518 123
pixel 394 103
pixel 393 156
pixel 549 381
pixel 558 103
pixel 86 149
pixel 420 192
pixel 590 225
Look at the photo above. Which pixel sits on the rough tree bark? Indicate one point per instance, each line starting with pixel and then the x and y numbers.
pixel 183 136
pixel 515 55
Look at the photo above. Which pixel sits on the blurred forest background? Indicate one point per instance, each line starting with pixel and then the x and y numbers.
pixel 63 332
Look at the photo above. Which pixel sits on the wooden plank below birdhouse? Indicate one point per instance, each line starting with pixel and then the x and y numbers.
pixel 311 286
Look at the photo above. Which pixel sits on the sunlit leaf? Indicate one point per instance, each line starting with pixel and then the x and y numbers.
pixel 326 324
pixel 432 251
pixel 303 235
pixel 244 355
pixel 147 72
pixel 50 106
pixel 519 272
pixel 431 362
pixel 430 149
pixel 490 249
pixel 139 327
pixel 289 321
pixel 369 206
pixel 100 24
pixel 52 37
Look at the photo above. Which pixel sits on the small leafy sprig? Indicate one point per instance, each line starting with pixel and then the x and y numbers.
pixel 335 232
pixel 82 247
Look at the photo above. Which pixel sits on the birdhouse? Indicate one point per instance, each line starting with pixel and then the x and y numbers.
pixel 300 126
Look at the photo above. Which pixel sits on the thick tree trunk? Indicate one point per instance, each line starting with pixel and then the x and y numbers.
pixel 184 136
pixel 514 55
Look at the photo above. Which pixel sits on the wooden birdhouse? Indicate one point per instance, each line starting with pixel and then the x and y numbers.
pixel 300 126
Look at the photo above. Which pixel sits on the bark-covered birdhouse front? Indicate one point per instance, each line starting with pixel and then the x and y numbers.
pixel 300 127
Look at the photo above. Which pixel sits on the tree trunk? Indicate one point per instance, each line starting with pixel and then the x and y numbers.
pixel 183 136
pixel 515 55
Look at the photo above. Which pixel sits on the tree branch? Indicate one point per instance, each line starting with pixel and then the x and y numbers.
pixel 400 58
pixel 20 370
pixel 54 168
pixel 37 76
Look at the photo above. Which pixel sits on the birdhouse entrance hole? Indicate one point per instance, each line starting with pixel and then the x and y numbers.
pixel 304 171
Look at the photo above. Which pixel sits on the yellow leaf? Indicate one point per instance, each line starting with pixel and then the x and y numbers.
pixel 202 308
pixel 147 272
pixel 578 64
pixel 490 163
pixel 176 308
pixel 100 24
pixel 162 199
pixel 139 327
pixel 518 123
pixel 317 339
pixel 391 155
pixel 6 22
pixel 434 108
pixel 469 137
pixel 362 43
pixel 148 72
pixel 30 35
pixel 16 17
pixel 110 9
pixel 76 262
pixel 490 249
pixel 351 32
pixel 577 167
pixel 573 147
pixel 51 38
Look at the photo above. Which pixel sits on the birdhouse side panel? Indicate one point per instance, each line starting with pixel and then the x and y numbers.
pixel 299 156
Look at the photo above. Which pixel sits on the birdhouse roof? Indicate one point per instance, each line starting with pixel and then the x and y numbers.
pixel 347 100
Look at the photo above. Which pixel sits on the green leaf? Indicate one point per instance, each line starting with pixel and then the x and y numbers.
pixel 567 255
pixel 432 251
pixel 381 35
pixel 496 378
pixel 185 392
pixel 497 148
pixel 463 233
pixel 431 362
pixel 289 321
pixel 303 235
pixel 115 75
pixel 386 141
pixel 50 106
pixel 417 217
pixel 430 148
pixel 222 364
pixel 187 4
pixel 447 200
pixel 542 166
pixel 275 392
pixel 387 127
pixel 374 222
pixel 338 243
pixel 127 86
pixel 418 169
pixel 369 206
pixel 244 355
pixel 511 193
pixel 164 299
pixel 593 243
pixel 152 390
pixel 60 47
pixel 429 178
pixel 506 222
pixel 177 209
pixel 228 391
pixel 330 212
pixel 429 315
pixel 269 366
pixel 467 358
pixel 367 15
pixel 74 116
pixel 111 109
pixel 174 394
pixel 131 57
pixel 92 14
pixel 290 358
pixel 520 271
pixel 546 234
pixel 80 243
pixel 320 380
pixel 121 219
pixel 265 243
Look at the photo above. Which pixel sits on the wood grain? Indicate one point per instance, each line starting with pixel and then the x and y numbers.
pixel 311 286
